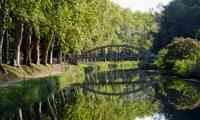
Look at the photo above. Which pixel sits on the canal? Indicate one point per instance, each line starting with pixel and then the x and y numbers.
pixel 113 93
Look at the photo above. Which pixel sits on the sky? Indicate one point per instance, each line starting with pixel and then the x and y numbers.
pixel 141 5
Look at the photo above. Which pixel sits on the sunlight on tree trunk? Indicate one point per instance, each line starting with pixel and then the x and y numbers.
pixel 46 54
pixel 19 37
pixel 2 33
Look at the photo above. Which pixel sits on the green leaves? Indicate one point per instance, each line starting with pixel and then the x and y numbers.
pixel 179 18
pixel 108 108
pixel 181 56
pixel 80 24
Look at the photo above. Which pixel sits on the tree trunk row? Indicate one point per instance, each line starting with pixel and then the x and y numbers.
pixel 27 41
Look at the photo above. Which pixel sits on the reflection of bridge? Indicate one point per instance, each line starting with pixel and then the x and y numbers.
pixel 127 82
pixel 108 53
pixel 129 87
pixel 123 88
pixel 115 83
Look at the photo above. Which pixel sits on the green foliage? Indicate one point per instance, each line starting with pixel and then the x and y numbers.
pixel 183 48
pixel 184 67
pixel 179 18
pixel 108 108
pixel 160 61
pixel 181 56
pixel 190 94
pixel 78 24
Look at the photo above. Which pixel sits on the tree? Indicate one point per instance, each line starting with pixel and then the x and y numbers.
pixel 34 16
pixel 4 14
pixel 40 28
pixel 52 11
pixel 179 19
pixel 181 56
pixel 20 17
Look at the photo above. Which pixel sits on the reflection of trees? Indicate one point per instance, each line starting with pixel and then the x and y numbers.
pixel 172 92
pixel 176 95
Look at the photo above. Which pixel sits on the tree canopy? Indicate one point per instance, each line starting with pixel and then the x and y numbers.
pixel 38 30
pixel 179 19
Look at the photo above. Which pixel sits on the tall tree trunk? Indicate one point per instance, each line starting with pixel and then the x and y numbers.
pixel 27 44
pixel 35 45
pixel 2 33
pixel 19 36
pixel 29 61
pixel 38 50
pixel 6 48
pixel 51 51
pixel 46 53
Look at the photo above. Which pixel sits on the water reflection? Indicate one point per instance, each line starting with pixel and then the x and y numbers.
pixel 178 97
pixel 157 116
pixel 116 94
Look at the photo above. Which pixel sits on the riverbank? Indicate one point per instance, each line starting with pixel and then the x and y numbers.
pixel 25 93
pixel 11 74
pixel 28 94
pixel 17 94
pixel 24 72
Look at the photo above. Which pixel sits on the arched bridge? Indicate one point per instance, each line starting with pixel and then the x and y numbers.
pixel 108 53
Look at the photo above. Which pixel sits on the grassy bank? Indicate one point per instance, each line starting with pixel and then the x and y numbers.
pixel 10 73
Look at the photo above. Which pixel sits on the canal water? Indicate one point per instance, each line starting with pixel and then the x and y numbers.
pixel 169 97
pixel 114 94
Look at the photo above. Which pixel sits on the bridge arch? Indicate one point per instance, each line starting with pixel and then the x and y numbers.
pixel 110 53
pixel 129 87
pixel 137 86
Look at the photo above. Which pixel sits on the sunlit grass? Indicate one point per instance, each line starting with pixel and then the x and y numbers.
pixel 24 71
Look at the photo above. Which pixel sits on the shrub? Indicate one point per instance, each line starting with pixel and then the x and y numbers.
pixel 161 58
pixel 181 56
pixel 183 48
pixel 184 67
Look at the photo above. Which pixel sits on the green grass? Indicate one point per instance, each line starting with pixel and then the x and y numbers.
pixel 16 73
